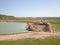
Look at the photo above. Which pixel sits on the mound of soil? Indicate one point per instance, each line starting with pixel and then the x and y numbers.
pixel 40 26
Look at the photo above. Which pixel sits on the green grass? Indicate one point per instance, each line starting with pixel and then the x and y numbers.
pixel 55 23
pixel 57 26
pixel 49 41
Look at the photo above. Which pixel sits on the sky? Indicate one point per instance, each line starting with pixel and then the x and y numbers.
pixel 30 8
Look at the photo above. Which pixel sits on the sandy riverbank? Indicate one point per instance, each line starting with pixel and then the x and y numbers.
pixel 41 35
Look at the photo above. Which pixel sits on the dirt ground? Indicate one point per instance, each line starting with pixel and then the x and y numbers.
pixel 41 35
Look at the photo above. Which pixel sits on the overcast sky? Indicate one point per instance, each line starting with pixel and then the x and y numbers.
pixel 30 8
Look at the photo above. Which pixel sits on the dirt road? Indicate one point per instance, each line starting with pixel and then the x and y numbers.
pixel 41 35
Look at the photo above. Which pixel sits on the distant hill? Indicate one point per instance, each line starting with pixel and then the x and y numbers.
pixel 2 16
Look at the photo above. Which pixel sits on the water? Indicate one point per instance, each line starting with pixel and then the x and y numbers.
pixel 8 28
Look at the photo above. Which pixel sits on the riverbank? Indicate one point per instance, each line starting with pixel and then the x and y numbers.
pixel 35 35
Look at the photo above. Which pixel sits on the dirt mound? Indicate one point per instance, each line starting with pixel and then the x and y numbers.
pixel 40 26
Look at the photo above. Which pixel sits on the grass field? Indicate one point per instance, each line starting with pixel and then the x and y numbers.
pixel 56 23
pixel 49 41
pixel 56 26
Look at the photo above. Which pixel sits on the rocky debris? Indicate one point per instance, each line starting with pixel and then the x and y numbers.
pixel 42 26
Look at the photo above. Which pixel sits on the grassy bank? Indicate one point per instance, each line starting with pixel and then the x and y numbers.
pixel 49 41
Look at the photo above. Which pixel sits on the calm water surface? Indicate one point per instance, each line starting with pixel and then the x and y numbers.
pixel 8 27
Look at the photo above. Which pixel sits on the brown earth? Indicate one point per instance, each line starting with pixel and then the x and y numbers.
pixel 41 35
